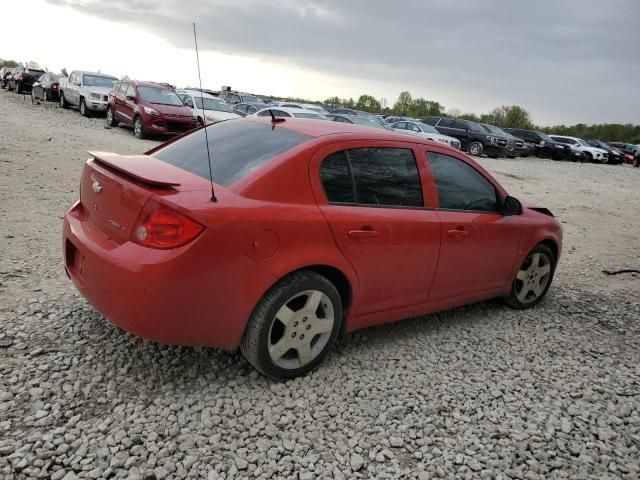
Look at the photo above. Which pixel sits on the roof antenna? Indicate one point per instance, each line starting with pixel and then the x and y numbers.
pixel 206 136
pixel 275 119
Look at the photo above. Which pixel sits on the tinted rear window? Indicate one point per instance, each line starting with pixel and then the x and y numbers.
pixel 238 147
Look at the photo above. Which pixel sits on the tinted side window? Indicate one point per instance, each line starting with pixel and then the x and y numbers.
pixel 131 91
pixel 460 186
pixel 336 179
pixel 386 176
pixel 447 123
pixel 460 124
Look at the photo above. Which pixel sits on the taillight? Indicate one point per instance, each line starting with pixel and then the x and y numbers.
pixel 159 226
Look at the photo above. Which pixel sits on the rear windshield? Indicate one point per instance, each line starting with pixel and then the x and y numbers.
pixel 238 147
pixel 98 81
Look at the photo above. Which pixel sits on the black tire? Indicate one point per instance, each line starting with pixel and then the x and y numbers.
pixel 588 157
pixel 636 162
pixel 110 118
pixel 138 128
pixel 260 327
pixel 45 96
pixel 63 101
pixel 200 123
pixel 84 111
pixel 475 149
pixel 511 156
pixel 18 88
pixel 514 299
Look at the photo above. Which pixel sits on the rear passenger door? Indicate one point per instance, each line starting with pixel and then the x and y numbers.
pixel 372 198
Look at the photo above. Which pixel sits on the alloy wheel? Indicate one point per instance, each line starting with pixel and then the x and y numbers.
pixel 301 329
pixel 533 277
pixel 137 127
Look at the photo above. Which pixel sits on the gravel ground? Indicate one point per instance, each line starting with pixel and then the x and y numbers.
pixel 477 392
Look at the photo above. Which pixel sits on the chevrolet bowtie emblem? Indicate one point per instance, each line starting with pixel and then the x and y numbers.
pixel 97 188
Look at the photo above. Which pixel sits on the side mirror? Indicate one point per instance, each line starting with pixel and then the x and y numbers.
pixel 511 206
pixel 131 97
pixel 76 83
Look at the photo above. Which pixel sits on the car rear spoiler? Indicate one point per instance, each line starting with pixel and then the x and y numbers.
pixel 143 168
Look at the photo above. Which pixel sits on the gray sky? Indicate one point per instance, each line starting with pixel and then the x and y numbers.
pixel 565 61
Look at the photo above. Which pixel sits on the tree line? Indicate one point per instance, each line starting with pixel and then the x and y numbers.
pixel 505 116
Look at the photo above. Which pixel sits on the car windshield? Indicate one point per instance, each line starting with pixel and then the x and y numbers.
pixel 475 126
pixel 212 104
pixel 427 128
pixel 493 129
pixel 99 81
pixel 54 78
pixel 250 99
pixel 237 148
pixel 545 137
pixel 159 96
pixel 36 71
pixel 317 110
pixel 583 143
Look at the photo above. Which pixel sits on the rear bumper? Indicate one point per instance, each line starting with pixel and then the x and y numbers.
pixel 199 294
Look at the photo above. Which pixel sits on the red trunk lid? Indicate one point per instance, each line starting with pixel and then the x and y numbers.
pixel 114 188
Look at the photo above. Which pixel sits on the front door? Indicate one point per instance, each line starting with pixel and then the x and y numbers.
pixel 372 198
pixel 479 245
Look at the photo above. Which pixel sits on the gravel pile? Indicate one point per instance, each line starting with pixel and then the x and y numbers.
pixel 477 392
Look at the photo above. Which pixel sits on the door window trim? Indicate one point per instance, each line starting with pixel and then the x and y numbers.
pixel 327 150
pixel 500 194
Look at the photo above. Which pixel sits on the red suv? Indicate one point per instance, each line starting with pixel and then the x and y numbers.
pixel 149 108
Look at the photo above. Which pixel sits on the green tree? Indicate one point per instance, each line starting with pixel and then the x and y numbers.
pixel 8 63
pixel 403 104
pixel 368 103
pixel 334 101
pixel 423 108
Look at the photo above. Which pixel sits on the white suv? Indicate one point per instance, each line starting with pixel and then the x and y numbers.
pixel 592 154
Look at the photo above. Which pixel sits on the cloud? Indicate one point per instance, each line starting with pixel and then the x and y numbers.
pixel 565 61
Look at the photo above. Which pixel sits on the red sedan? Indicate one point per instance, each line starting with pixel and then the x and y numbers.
pixel 316 227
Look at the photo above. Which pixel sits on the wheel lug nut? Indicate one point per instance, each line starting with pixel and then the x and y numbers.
pixel 304 319
pixel 308 327
pixel 302 337
pixel 293 334
pixel 295 324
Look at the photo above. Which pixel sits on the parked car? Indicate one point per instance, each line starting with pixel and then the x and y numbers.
pixel 86 90
pixel 244 109
pixel 233 97
pixel 23 78
pixel 424 130
pixel 307 106
pixel 514 145
pixel 5 75
pixel 215 110
pixel 357 120
pixel 473 138
pixel 150 108
pixel 522 148
pixel 289 253
pixel 616 157
pixel 394 119
pixel 288 112
pixel 589 152
pixel 631 152
pixel 543 145
pixel 46 88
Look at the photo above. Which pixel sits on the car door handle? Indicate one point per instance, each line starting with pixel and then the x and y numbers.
pixel 364 232
pixel 458 233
